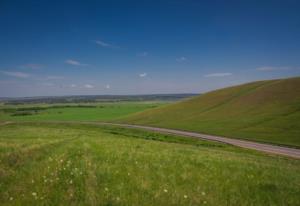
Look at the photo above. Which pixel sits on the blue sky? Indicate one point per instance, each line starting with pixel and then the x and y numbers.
pixel 142 47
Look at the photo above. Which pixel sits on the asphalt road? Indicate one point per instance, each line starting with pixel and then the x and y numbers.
pixel 280 150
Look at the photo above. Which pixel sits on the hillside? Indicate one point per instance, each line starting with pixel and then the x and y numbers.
pixel 266 111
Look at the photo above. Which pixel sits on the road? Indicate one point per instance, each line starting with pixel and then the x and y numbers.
pixel 274 149
pixel 268 148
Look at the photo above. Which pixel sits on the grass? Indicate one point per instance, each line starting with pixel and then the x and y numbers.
pixel 73 112
pixel 265 111
pixel 80 164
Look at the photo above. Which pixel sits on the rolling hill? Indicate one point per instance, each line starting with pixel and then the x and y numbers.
pixel 265 111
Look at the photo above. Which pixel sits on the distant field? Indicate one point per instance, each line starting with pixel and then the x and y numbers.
pixel 74 164
pixel 266 111
pixel 73 112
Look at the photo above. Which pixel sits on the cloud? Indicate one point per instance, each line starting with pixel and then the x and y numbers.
pixel 88 86
pixel 31 66
pixel 142 54
pixel 143 75
pixel 107 86
pixel 218 74
pixel 16 74
pixel 181 59
pixel 73 85
pixel 270 68
pixel 106 45
pixel 74 62
pixel 54 77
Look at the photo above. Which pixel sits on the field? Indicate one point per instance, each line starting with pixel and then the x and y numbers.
pixel 74 112
pixel 265 111
pixel 81 164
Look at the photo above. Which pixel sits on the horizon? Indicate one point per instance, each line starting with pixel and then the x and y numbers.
pixel 82 48
pixel 144 94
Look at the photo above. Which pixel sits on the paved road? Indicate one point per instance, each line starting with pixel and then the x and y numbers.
pixel 286 151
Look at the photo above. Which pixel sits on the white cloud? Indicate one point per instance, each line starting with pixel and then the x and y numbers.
pixel 73 85
pixel 74 62
pixel 270 68
pixel 181 59
pixel 142 54
pixel 104 44
pixel 16 74
pixel 218 74
pixel 88 86
pixel 143 75
pixel 107 86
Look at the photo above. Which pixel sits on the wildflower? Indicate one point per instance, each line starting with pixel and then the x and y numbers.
pixel 11 198
pixel 71 181
pixel 128 174
pixel 106 189
pixel 204 202
pixel 185 196
pixel 165 190
pixel 203 193
pixel 61 160
pixel 34 194
pixel 32 181
pixel 118 199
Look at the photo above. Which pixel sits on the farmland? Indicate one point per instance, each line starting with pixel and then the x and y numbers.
pixel 80 164
pixel 74 112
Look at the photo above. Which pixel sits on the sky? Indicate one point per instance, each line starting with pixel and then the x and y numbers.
pixel 54 48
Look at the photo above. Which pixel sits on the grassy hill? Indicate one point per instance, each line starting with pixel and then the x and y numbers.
pixel 267 111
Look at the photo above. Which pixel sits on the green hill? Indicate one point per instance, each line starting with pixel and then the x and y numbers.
pixel 266 111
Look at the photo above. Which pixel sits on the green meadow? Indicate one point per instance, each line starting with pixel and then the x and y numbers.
pixel 81 164
pixel 73 112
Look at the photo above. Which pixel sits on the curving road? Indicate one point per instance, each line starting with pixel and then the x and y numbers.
pixel 268 148
pixel 280 150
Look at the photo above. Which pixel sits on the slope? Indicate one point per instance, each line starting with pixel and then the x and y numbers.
pixel 266 111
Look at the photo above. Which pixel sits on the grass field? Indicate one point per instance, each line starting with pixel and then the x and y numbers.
pixel 73 112
pixel 76 164
pixel 266 111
